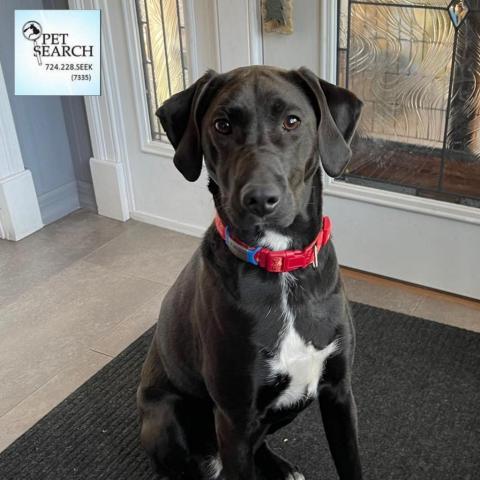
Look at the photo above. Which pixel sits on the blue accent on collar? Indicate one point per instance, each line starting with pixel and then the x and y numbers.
pixel 244 253
pixel 251 252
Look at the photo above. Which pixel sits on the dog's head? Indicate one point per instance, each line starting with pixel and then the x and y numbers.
pixel 261 131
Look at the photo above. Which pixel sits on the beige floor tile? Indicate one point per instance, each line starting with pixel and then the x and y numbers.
pixel 20 418
pixel 381 296
pixel 30 261
pixel 413 300
pixel 129 329
pixel 147 252
pixel 45 328
pixel 449 313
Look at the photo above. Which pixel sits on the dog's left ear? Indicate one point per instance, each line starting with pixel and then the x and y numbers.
pixel 180 117
pixel 339 111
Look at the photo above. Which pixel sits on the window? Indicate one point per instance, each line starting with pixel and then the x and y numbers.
pixel 163 39
pixel 416 66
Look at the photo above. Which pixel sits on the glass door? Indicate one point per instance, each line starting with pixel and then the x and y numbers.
pixel 416 66
pixel 163 35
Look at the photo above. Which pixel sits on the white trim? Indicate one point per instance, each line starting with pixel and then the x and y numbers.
pixel 168 223
pixel 255 37
pixel 109 186
pixel 239 37
pixel 106 125
pixel 401 201
pixel 202 35
pixel 328 40
pixel 158 147
pixel 19 210
pixel 10 156
pixel 148 145
pixel 189 7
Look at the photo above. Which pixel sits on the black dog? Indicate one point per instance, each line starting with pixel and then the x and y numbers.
pixel 239 349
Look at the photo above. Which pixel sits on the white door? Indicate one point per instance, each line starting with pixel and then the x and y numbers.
pixel 381 224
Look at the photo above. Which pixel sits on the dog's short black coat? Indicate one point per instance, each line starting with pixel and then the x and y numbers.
pixel 210 393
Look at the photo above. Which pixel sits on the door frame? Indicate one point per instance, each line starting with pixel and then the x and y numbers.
pixel 19 208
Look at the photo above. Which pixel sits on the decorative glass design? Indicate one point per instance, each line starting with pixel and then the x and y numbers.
pixel 163 39
pixel 416 66
pixel 458 10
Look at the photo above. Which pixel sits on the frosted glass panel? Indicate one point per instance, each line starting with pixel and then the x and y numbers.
pixel 416 66
pixel 162 34
pixel 400 64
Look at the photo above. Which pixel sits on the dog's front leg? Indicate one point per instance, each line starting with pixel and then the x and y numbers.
pixel 339 416
pixel 235 445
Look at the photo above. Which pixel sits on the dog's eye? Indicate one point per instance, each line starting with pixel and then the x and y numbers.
pixel 223 126
pixel 291 122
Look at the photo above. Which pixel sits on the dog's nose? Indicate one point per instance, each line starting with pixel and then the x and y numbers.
pixel 261 200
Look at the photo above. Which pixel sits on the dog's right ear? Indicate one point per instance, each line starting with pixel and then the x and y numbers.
pixel 180 119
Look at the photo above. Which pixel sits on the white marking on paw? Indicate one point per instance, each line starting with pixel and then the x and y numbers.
pixel 212 467
pixel 295 476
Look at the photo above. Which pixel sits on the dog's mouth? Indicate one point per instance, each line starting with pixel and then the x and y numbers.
pixel 253 226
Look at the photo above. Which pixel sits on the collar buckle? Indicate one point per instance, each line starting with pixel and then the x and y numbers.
pixel 284 261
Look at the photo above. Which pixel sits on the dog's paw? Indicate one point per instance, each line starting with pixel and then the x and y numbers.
pixel 295 476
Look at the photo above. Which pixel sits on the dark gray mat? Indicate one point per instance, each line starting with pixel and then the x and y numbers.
pixel 417 385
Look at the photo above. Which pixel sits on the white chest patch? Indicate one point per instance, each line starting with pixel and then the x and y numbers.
pixel 301 361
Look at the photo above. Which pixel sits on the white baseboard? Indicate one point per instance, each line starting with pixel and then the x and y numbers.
pixel 19 211
pixel 194 230
pixel 58 203
pixel 86 196
pixel 110 190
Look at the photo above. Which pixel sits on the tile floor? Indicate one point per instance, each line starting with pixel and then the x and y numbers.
pixel 75 294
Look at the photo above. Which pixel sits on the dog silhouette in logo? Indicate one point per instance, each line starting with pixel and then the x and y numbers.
pixel 34 30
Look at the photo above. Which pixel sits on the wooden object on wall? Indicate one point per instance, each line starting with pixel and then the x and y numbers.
pixel 277 16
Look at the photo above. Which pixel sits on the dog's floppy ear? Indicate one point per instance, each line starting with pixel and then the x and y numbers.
pixel 339 112
pixel 179 116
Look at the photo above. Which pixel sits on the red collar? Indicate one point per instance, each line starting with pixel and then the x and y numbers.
pixel 276 261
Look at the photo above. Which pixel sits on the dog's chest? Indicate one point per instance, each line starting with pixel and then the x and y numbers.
pixel 302 363
pixel 296 358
